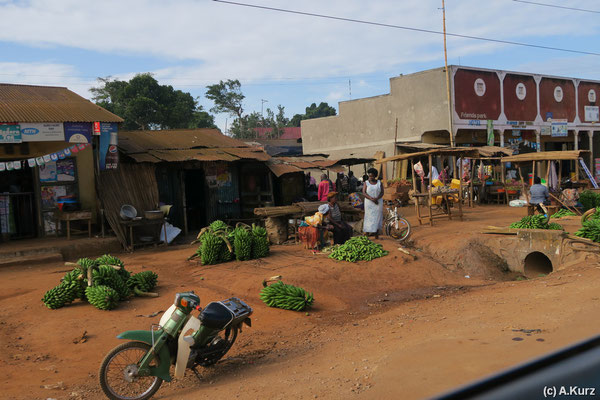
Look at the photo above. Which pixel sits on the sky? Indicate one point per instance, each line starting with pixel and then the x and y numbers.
pixel 288 59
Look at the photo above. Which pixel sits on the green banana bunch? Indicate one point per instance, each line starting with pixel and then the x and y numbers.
pixel 142 282
pixel 242 244
pixel 227 252
pixel 563 212
pixel 219 226
pixel 260 242
pixel 106 275
pixel 107 259
pixel 102 297
pixel 358 248
pixel 589 199
pixel 537 221
pixel 287 297
pixel 86 263
pixel 211 248
pixel 590 229
pixel 60 295
pixel 76 278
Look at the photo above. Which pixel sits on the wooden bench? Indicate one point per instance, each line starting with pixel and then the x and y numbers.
pixel 69 216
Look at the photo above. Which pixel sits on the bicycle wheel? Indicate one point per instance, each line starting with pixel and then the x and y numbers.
pixel 399 230
pixel 118 373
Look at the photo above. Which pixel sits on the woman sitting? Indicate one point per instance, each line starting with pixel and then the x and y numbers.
pixel 341 230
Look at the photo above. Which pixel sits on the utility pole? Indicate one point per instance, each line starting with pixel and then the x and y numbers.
pixel 447 76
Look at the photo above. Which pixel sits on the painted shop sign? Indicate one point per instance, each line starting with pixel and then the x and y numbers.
pixel 10 133
pixel 42 132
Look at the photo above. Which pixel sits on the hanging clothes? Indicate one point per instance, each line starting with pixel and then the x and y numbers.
pixel 553 182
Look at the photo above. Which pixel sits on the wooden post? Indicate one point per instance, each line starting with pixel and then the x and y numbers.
pixel 559 173
pixel 532 173
pixel 395 162
pixel 503 180
pixel 429 189
pixel 471 168
pixel 523 183
pixel 414 182
pixel 481 179
pixel 460 198
pixel 548 174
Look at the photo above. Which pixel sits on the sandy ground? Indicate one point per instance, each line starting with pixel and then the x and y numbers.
pixel 391 328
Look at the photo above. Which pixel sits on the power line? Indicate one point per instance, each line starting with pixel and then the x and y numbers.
pixel 408 28
pixel 556 6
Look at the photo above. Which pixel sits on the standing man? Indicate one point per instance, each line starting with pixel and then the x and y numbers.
pixel 352 182
pixel 325 187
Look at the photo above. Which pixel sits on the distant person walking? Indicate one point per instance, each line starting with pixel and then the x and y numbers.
pixel 373 191
pixel 325 187
pixel 352 182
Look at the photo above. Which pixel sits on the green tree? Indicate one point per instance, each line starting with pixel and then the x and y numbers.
pixel 313 111
pixel 228 98
pixel 145 104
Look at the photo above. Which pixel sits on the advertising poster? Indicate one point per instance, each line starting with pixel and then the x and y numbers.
pixel 65 170
pixel 592 113
pixel 559 128
pixel 108 153
pixel 78 132
pixel 48 172
pixel 490 132
pixel 42 132
pixel 10 133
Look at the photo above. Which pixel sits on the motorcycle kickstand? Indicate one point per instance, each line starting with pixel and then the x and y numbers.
pixel 196 373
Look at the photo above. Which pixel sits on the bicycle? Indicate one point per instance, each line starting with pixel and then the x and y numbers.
pixel 395 225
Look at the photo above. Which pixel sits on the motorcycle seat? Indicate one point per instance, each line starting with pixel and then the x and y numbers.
pixel 216 316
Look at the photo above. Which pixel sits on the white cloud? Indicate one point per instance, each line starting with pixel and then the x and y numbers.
pixel 47 74
pixel 219 41
pixel 335 96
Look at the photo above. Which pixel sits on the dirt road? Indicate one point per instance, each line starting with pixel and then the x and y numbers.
pixel 391 328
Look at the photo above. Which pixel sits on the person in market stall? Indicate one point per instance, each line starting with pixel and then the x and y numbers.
pixel 313 231
pixel 342 231
pixel 352 182
pixel 311 188
pixel 570 196
pixel 539 195
pixel 373 191
pixel 325 187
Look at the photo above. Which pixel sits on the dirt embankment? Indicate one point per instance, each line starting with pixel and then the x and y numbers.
pixel 391 328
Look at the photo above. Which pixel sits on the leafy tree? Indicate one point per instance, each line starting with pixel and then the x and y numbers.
pixel 228 98
pixel 313 111
pixel 145 104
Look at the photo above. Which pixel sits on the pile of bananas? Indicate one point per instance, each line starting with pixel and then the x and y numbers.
pixel 102 297
pixel 110 283
pixel 287 297
pixel 221 243
pixel 535 222
pixel 590 229
pixel 358 248
pixel 260 242
pixel 563 212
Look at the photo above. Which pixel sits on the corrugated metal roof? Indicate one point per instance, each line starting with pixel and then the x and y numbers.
pixel 249 153
pixel 144 157
pixel 176 139
pixel 282 169
pixel 546 156
pixel 25 103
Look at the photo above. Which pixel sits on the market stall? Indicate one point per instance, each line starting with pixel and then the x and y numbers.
pixel 438 198
pixel 545 164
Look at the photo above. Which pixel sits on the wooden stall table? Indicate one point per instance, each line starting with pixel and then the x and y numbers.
pixel 551 209
pixel 144 222
pixel 69 216
pixel 445 197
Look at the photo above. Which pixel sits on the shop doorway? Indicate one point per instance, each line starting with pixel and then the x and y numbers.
pixel 195 200
pixel 18 208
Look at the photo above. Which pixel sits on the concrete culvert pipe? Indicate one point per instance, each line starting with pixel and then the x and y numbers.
pixel 537 263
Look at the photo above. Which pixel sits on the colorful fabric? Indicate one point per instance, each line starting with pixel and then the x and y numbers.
pixel 325 187
pixel 354 200
pixel 569 197
pixel 336 213
pixel 315 220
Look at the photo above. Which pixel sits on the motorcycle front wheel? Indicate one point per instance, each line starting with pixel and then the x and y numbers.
pixel 399 233
pixel 118 373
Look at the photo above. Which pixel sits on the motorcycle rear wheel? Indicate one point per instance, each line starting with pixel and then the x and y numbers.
pixel 116 370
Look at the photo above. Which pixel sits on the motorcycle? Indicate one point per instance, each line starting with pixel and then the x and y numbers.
pixel 136 369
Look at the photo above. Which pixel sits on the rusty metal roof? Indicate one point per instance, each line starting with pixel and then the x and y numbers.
pixel 175 139
pixel 27 103
pixel 282 169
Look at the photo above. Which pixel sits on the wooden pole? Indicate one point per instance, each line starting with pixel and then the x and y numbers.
pixel 460 199
pixel 447 78
pixel 429 189
pixel 414 182
pixel 395 162
pixel 523 183
pixel 471 168
pixel 559 173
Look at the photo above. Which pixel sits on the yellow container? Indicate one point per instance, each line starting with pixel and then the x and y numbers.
pixel 437 182
pixel 455 184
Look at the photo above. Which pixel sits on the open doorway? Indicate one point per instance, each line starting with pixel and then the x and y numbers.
pixel 18 206
pixel 195 199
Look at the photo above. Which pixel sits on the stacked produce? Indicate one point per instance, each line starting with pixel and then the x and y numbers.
pixel 535 222
pixel 563 212
pixel 590 229
pixel 358 248
pixel 221 243
pixel 589 199
pixel 109 283
pixel 287 297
